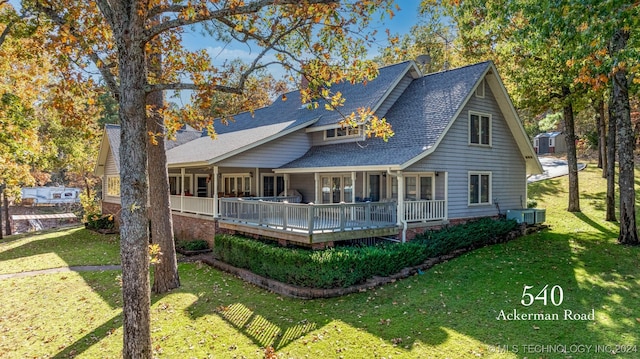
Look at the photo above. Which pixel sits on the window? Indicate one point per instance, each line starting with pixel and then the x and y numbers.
pixel 175 185
pixel 479 188
pixel 346 132
pixel 480 89
pixel 479 129
pixel 416 187
pixel 237 185
pixel 336 189
pixel 272 185
pixel 113 186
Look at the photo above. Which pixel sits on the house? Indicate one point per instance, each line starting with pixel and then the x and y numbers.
pixel 550 143
pixel 294 174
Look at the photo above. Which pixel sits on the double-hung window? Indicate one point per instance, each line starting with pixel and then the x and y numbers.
pixel 113 186
pixel 479 129
pixel 479 188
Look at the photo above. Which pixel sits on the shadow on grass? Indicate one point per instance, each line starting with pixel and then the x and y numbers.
pixel 598 227
pixel 540 189
pixel 464 297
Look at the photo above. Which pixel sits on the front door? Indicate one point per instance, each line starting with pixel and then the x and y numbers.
pixel 336 189
pixel 202 187
pixel 374 188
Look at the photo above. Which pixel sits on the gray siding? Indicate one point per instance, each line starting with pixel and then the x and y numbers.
pixel 272 154
pixel 457 157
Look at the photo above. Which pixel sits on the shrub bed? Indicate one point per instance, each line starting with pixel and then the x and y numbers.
pixel 345 266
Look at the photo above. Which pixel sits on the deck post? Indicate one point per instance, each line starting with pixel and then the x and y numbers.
pixel 182 189
pixel 285 214
pixel 310 216
pixel 216 210
pixel 400 211
pixel 367 214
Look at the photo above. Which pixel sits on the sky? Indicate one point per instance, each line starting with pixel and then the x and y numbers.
pixel 400 24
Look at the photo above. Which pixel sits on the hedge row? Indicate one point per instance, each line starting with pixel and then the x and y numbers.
pixel 346 266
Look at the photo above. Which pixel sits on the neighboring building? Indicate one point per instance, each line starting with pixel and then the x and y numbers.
pixel 550 143
pixel 50 195
pixel 286 172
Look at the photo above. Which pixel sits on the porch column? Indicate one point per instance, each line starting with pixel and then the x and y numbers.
pixel 365 175
pixel 286 184
pixel 400 210
pixel 182 189
pixel 215 191
pixel 353 187
pixel 258 183
pixel 316 179
pixel 446 195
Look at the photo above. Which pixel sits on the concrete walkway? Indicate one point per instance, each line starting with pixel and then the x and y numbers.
pixel 553 167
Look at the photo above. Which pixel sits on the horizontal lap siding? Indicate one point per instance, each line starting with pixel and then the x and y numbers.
pixel 502 159
pixel 274 153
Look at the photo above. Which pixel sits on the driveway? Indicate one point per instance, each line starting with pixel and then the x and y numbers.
pixel 553 167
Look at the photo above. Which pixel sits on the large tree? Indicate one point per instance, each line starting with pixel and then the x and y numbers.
pixel 318 38
pixel 531 43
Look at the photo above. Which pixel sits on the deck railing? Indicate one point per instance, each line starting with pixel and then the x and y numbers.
pixel 309 217
pixel 424 210
pixel 196 205
pixel 283 212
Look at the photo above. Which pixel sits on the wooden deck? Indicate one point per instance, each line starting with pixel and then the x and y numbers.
pixel 311 224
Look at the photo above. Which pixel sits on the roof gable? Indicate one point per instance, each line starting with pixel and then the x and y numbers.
pixel 419 118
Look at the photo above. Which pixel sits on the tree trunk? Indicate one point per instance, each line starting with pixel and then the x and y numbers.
pixel 611 168
pixel 626 144
pixel 572 160
pixel 7 223
pixel 166 270
pixel 1 208
pixel 602 137
pixel 128 28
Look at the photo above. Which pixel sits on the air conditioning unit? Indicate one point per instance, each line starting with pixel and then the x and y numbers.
pixel 522 215
pixel 539 215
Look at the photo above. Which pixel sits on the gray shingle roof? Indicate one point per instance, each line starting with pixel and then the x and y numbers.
pixel 418 118
pixel 113 134
pixel 181 137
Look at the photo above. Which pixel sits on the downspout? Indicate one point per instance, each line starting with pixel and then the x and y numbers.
pixel 400 211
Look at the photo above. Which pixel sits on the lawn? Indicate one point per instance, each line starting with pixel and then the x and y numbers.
pixel 458 309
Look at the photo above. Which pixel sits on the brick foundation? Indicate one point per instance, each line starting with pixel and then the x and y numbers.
pixel 185 226
pixel 114 209
pixel 189 227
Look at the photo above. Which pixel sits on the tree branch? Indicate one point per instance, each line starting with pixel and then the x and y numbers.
pixel 107 76
pixel 6 32
pixel 205 14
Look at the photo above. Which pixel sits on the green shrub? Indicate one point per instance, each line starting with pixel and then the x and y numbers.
pixel 194 245
pixel 98 221
pixel 346 266
pixel 472 234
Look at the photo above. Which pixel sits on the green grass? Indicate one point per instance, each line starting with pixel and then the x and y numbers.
pixel 448 312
